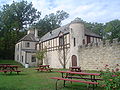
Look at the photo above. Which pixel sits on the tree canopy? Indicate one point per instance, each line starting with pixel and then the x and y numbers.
pixel 112 29
pixel 13 19
pixel 51 21
pixel 16 17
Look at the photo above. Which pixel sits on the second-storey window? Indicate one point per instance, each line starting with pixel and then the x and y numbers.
pixel 74 42
pixel 61 40
pixel 18 47
pixel 27 44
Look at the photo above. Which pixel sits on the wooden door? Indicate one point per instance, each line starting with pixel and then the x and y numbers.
pixel 74 60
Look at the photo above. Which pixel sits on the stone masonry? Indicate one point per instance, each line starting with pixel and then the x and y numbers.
pixel 96 56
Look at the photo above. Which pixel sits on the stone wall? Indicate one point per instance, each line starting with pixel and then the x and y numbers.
pixel 96 56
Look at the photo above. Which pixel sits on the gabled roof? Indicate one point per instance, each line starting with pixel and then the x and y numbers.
pixel 65 29
pixel 29 37
pixel 90 33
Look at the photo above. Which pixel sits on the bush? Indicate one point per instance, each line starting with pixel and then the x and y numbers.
pixel 111 77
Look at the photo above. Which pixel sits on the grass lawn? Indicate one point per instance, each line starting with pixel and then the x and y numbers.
pixel 30 79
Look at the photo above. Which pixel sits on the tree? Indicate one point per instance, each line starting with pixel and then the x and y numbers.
pixel 40 55
pixel 14 19
pixel 112 29
pixel 97 28
pixel 51 22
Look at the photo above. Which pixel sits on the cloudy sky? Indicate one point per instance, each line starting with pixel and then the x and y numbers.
pixel 89 10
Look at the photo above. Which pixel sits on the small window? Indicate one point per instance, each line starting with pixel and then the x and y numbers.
pixel 17 57
pixel 74 42
pixel 27 44
pixel 61 40
pixel 88 39
pixel 22 58
pixel 83 41
pixel 18 47
pixel 33 59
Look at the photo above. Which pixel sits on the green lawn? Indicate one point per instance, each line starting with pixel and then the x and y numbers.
pixel 30 79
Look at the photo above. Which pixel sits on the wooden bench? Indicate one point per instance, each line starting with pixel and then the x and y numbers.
pixel 77 77
pixel 86 82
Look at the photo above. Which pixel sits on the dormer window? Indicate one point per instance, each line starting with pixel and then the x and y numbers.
pixel 27 44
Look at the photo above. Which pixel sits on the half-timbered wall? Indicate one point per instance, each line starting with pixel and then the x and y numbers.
pixel 54 44
pixel 91 39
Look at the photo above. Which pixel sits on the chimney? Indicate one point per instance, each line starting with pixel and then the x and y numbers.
pixel 36 32
pixel 30 31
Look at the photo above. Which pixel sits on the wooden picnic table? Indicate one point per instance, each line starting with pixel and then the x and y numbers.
pixel 70 76
pixel 70 73
pixel 44 68
pixel 75 69
pixel 9 68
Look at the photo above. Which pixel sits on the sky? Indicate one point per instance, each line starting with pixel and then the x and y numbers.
pixel 100 11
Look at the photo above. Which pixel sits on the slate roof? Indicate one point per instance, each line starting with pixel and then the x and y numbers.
pixel 90 33
pixel 29 37
pixel 65 29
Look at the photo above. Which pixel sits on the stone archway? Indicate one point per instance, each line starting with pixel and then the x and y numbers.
pixel 74 60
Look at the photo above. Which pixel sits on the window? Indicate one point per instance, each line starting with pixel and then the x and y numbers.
pixel 33 59
pixel 88 39
pixel 83 41
pixel 17 57
pixel 74 42
pixel 61 40
pixel 22 58
pixel 27 44
pixel 18 47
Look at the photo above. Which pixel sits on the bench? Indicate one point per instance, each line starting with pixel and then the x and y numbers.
pixel 5 71
pixel 86 82
pixel 77 77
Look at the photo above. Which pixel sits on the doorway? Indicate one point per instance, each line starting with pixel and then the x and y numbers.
pixel 74 60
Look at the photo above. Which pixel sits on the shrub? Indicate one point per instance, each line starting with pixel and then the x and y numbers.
pixel 111 77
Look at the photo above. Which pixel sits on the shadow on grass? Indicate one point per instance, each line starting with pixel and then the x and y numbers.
pixel 8 88
pixel 13 74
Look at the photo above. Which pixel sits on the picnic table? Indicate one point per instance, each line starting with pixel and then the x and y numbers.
pixel 44 68
pixel 70 76
pixel 9 68
pixel 75 69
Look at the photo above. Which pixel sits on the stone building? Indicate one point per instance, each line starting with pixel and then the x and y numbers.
pixel 26 48
pixel 62 45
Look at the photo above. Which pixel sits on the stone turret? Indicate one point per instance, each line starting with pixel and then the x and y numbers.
pixel 77 31
pixel 77 35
